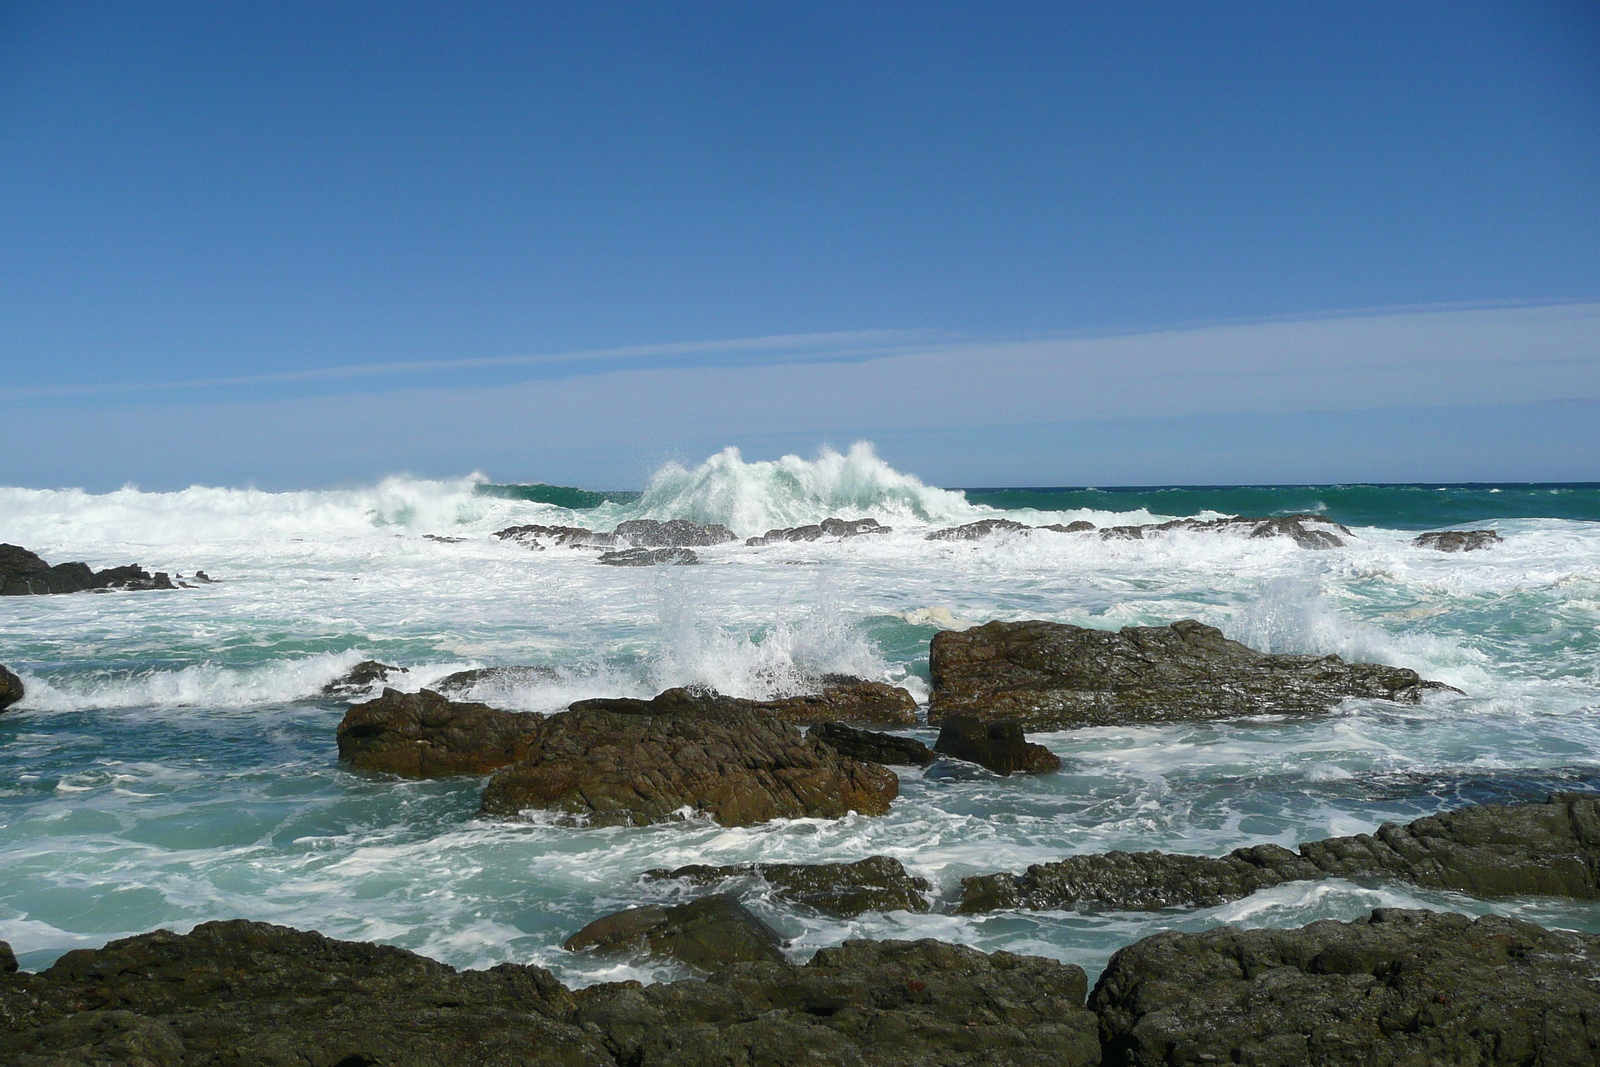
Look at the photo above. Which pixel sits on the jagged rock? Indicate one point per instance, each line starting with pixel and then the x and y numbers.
pixel 604 764
pixel 253 995
pixel 1493 850
pixel 11 689
pixel 710 933
pixel 674 533
pixel 1398 987
pixel 1075 526
pixel 424 735
pixel 877 883
pixel 974 531
pixel 23 573
pixel 1458 540
pixel 871 746
pixel 649 557
pixel 826 528
pixel 360 678
pixel 997 745
pixel 1048 674
pixel 539 537
pixel 498 680
pixel 842 697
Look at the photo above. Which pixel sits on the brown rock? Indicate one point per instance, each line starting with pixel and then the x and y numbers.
pixel 11 689
pixel 424 735
pixel 710 933
pixel 871 746
pixel 997 745
pixel 841 699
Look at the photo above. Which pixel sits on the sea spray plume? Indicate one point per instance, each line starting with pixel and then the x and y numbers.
pixel 752 498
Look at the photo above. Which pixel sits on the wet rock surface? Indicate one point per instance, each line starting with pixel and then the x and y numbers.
pixel 976 531
pixel 254 995
pixel 498 680
pixel 1048 674
pixel 650 557
pixel 426 735
pixel 1492 850
pixel 710 933
pixel 11 689
pixel 1458 540
pixel 1398 987
pixel 997 745
pixel 609 763
pixel 877 883
pixel 362 677
pixel 874 747
pixel 840 528
pixel 840 698
pixel 23 573
pixel 680 533
pixel 536 536
pixel 1307 531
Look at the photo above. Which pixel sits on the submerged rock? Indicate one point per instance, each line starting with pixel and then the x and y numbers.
pixel 606 763
pixel 877 883
pixel 501 680
pixel 1307 531
pixel 674 533
pixel 23 573
pixel 974 531
pixel 826 528
pixel 255 995
pixel 536 536
pixel 1075 526
pixel 1398 987
pixel 425 735
pixel 841 697
pixel 1049 674
pixel 1492 850
pixel 362 677
pixel 997 745
pixel 872 746
pixel 11 689
pixel 710 933
pixel 1458 540
pixel 649 557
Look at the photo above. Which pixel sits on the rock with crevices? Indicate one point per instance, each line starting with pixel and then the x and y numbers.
pixel 837 698
pixel 872 746
pixel 999 745
pixel 710 933
pixel 877 883
pixel 674 533
pixel 427 735
pixel 650 557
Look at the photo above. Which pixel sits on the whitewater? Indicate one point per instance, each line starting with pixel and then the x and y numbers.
pixel 174 759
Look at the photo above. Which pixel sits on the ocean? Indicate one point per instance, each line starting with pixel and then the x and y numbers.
pixel 174 761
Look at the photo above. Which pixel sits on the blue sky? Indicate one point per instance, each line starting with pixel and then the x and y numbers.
pixel 299 244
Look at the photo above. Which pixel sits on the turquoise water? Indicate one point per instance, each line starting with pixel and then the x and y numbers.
pixel 174 761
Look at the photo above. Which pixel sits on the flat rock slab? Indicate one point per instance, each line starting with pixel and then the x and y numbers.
pixel 1051 675
pixel 872 746
pixel 1493 850
pixel 710 933
pixel 877 883
pixel 1396 988
pixel 255 995
pixel 425 735
pixel 609 768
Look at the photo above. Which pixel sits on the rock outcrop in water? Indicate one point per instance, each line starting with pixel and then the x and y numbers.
pixel 1307 531
pixel 1049 675
pixel 674 533
pixel 425 735
pixel 635 543
pixel 841 698
pixel 607 763
pixel 360 678
pixel 650 557
pixel 23 573
pixel 536 536
pixel 877 883
pixel 710 933
pixel 494 679
pixel 998 745
pixel 254 995
pixel 1458 540
pixel 1399 987
pixel 11 689
pixel 874 747
pixel 1493 850
pixel 840 528
pixel 976 531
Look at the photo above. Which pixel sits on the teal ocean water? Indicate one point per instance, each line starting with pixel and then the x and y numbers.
pixel 174 761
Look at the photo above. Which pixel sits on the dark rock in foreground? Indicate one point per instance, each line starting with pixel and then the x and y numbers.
pixel 889 749
pixel 424 735
pixel 11 689
pixel 360 678
pixel 876 883
pixel 649 557
pixel 999 746
pixel 254 995
pixel 826 528
pixel 710 933
pixel 23 573
pixel 1494 850
pixel 621 767
pixel 841 698
pixel 1398 988
pixel 1458 540
pixel 1048 674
